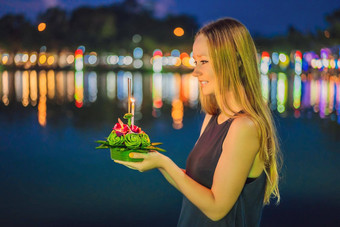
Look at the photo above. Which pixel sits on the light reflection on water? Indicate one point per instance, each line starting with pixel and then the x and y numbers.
pixel 60 169
pixel 319 91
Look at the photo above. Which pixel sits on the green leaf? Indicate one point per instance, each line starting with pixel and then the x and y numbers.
pixel 154 148
pixel 117 147
pixel 102 146
pixel 159 149
pixel 102 142
pixel 127 116
pixel 149 147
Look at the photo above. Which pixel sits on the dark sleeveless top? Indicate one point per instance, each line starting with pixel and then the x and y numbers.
pixel 201 165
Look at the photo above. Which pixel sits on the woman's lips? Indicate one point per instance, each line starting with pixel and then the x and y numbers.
pixel 203 82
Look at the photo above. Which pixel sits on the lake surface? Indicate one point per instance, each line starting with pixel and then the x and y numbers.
pixel 51 174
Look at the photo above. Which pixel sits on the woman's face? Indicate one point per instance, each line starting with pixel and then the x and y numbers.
pixel 204 69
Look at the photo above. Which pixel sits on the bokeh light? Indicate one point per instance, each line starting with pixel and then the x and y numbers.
pixel 41 27
pixel 136 38
pixel 179 31
pixel 175 53
pixel 138 52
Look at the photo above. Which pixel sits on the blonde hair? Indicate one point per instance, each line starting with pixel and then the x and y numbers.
pixel 234 60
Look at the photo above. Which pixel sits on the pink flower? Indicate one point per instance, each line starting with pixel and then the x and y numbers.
pixel 135 129
pixel 119 134
pixel 121 129
pixel 117 126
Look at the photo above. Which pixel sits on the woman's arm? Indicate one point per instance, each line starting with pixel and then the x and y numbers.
pixel 168 178
pixel 238 154
pixel 239 151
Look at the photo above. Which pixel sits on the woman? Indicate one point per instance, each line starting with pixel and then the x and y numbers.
pixel 232 170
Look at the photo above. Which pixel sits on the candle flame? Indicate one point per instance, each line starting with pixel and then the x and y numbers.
pixel 132 99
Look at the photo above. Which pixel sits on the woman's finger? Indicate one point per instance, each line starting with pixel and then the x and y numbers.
pixel 119 162
pixel 130 165
pixel 138 155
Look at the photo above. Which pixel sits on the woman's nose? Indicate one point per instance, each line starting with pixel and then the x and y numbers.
pixel 196 72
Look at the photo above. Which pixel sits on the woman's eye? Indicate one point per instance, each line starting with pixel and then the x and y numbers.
pixel 202 62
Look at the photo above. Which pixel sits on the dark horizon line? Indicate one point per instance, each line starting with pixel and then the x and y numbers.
pixel 33 19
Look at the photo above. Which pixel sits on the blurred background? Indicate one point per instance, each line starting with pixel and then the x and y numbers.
pixel 64 67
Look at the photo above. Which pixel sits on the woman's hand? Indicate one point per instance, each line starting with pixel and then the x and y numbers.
pixel 152 160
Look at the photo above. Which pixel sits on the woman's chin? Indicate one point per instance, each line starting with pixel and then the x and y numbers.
pixel 206 92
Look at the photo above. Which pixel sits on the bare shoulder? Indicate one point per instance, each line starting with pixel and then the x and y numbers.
pixel 243 133
pixel 244 125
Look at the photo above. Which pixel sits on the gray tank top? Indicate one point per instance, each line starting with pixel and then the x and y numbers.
pixel 201 165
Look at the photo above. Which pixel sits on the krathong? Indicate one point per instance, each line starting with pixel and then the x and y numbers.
pixel 126 138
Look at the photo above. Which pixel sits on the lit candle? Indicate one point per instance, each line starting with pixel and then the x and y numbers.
pixel 129 95
pixel 133 111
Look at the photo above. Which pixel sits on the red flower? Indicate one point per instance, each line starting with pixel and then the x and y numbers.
pixel 121 129
pixel 135 129
pixel 125 129
pixel 117 126
pixel 119 134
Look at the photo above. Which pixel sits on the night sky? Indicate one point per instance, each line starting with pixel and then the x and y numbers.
pixel 265 17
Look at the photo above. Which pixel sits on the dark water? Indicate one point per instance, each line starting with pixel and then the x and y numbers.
pixel 51 175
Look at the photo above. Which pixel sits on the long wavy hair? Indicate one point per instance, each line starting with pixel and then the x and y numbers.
pixel 234 59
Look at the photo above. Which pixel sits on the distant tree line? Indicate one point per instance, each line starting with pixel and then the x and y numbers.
pixel 296 40
pixel 111 28
pixel 108 28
